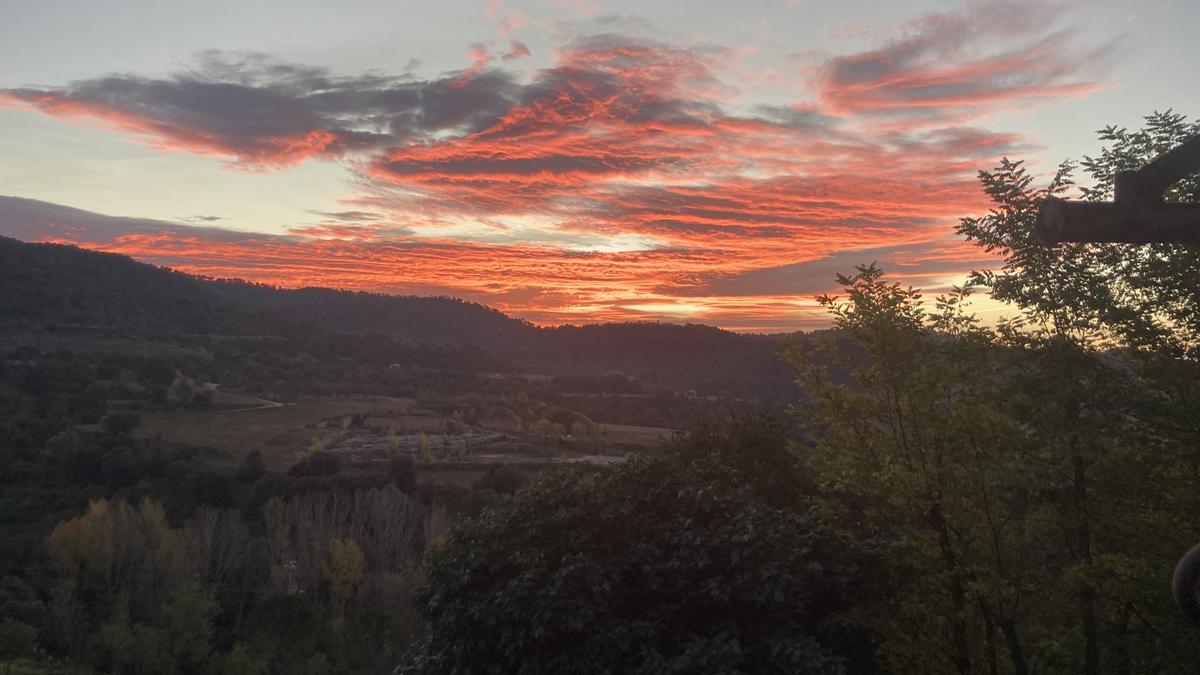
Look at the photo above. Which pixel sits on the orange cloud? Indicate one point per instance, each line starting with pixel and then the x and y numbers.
pixel 618 183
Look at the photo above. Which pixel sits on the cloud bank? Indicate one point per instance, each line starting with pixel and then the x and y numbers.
pixel 626 180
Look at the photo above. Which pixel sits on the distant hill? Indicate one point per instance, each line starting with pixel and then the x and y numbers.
pixel 43 284
pixel 52 284
pixel 441 320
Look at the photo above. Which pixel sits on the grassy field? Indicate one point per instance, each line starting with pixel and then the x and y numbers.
pixel 226 400
pixel 42 667
pixel 633 435
pixel 281 433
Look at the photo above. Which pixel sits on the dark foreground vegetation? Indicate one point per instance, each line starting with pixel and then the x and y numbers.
pixel 945 495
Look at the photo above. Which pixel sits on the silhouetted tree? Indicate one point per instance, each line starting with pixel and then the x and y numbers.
pixel 120 423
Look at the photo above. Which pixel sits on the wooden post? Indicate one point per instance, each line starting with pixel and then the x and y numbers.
pixel 1113 222
pixel 1137 214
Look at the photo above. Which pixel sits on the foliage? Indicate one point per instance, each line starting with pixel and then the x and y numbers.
pixel 1040 475
pixel 664 564
pixel 118 423
pixel 425 448
pixel 125 569
pixel 343 572
pixel 916 447
pixel 252 467
pixel 547 431
pixel 317 463
pixel 403 473
pixel 1096 295
pixel 1121 416
pixel 17 640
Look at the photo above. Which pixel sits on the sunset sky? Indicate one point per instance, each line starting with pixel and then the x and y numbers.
pixel 564 161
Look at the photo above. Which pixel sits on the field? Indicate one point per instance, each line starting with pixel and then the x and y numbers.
pixel 279 431
pixel 282 432
pixel 628 434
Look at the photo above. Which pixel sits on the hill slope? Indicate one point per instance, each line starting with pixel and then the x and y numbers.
pixel 52 284
pixel 55 284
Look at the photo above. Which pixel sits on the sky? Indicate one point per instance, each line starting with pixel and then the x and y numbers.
pixel 564 161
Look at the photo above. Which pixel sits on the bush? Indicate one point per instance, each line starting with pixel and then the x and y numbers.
pixel 119 423
pixel 403 472
pixel 252 467
pixel 504 480
pixel 665 564
pixel 202 400
pixel 317 463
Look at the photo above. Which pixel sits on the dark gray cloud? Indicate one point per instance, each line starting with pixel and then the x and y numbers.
pixel 965 61
pixel 35 220
pixel 348 216
pixel 800 118
pixel 934 258
pixel 262 112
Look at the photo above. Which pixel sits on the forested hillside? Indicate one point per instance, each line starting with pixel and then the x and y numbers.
pixel 48 284
pixel 51 285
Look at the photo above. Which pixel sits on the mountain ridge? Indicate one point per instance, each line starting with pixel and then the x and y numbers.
pixel 62 285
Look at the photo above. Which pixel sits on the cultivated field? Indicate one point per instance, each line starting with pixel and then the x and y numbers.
pixel 284 432
pixel 628 434
pixel 279 431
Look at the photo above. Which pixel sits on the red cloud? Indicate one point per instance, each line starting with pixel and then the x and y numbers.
pixel 638 193
pixel 542 284
pixel 735 286
pixel 619 138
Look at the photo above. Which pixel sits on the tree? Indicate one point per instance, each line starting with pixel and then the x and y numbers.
pixel 252 467
pixel 546 430
pixel 19 601
pixel 915 443
pixel 17 640
pixel 1154 300
pixel 754 445
pixel 64 445
pixel 403 473
pixel 120 423
pixel 1108 377
pixel 663 564
pixel 317 463
pixel 184 391
pixel 202 399
pixel 342 571
pixel 385 523
pixel 587 436
pixel 425 447
pixel 127 593
pixel 157 372
pixel 243 660
pixel 1040 474
pixel 288 631
pixel 505 480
